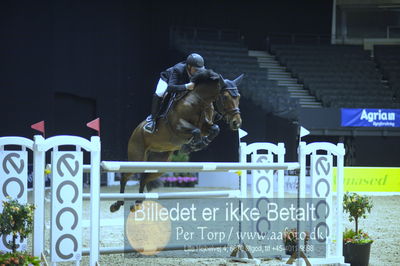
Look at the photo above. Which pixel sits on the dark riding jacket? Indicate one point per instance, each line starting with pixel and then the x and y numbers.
pixel 176 77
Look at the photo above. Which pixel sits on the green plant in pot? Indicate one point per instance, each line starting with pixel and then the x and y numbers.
pixel 356 243
pixel 16 220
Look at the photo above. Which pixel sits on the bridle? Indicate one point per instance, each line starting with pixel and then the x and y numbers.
pixel 220 108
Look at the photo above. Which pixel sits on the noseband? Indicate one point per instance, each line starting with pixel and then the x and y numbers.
pixel 219 104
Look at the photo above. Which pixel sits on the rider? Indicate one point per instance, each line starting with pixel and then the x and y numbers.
pixel 174 79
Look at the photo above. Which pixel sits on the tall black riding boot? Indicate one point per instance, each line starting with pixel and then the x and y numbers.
pixel 155 107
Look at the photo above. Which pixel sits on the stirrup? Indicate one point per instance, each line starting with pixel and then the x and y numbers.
pixel 150 126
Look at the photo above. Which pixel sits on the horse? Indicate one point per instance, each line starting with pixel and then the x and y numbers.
pixel 226 108
pixel 190 122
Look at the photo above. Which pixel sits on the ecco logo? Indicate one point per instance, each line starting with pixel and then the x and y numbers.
pixel 67 166
pixel 322 189
pixel 263 190
pixel 14 180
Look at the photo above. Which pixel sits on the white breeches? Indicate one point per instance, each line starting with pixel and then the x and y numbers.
pixel 161 88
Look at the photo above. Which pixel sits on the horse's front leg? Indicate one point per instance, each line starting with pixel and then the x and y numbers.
pixel 202 142
pixel 196 136
pixel 197 142
pixel 212 133
pixel 187 127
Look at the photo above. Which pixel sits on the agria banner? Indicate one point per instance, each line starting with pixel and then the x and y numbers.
pixel 370 117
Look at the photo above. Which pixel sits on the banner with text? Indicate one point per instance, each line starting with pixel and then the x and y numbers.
pixel 370 179
pixel 370 117
pixel 209 228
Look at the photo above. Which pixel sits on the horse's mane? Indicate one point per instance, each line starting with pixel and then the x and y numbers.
pixel 204 76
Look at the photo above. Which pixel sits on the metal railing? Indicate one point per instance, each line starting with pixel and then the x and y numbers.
pixel 193 33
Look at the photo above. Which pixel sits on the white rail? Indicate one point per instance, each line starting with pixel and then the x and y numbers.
pixel 155 167
pixel 167 195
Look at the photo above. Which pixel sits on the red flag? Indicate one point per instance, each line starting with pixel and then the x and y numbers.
pixel 39 126
pixel 95 124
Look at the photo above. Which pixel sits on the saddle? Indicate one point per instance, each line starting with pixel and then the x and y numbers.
pixel 169 100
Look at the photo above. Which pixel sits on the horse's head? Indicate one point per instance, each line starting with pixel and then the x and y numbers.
pixel 227 103
pixel 207 84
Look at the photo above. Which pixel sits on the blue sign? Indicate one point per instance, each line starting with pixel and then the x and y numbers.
pixel 370 117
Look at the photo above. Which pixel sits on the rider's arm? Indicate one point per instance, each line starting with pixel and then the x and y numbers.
pixel 175 82
pixel 189 86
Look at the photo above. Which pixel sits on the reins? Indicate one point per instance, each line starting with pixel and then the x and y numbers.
pixel 220 106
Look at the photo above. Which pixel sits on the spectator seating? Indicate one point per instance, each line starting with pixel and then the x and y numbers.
pixel 338 75
pixel 387 58
pixel 230 58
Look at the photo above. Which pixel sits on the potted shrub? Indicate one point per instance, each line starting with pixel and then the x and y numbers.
pixel 356 243
pixel 17 220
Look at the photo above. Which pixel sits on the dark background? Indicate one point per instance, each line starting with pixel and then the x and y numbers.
pixel 68 62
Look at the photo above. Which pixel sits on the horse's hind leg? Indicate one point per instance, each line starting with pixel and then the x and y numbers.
pixel 145 182
pixel 149 180
pixel 136 152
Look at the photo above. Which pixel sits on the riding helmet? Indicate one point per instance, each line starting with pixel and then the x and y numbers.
pixel 195 60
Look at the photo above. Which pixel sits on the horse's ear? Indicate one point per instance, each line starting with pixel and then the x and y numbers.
pixel 221 82
pixel 238 80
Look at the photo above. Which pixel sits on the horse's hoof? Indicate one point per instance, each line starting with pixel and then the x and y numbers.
pixel 114 207
pixel 136 207
pixel 186 149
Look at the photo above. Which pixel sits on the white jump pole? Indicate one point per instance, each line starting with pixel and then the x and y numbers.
pixel 155 167
pixel 167 195
pixel 95 201
pixel 38 197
